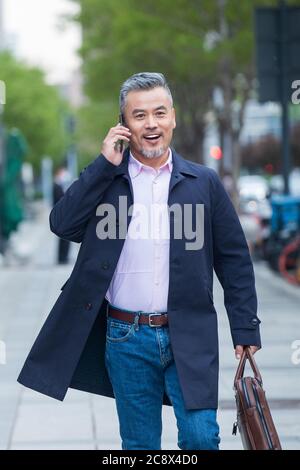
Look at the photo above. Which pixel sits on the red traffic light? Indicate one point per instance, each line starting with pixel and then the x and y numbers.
pixel 216 152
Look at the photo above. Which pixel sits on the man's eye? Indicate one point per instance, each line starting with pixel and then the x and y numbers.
pixel 139 116
pixel 161 113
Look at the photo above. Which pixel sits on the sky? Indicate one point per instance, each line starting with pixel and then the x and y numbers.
pixel 33 29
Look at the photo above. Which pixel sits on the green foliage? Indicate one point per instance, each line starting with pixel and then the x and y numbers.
pixel 93 121
pixel 195 43
pixel 33 107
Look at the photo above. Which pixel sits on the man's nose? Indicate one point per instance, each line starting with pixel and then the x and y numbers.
pixel 151 122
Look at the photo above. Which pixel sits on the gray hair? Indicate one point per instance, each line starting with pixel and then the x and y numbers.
pixel 142 81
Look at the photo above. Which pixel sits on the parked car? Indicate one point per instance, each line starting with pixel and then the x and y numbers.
pixel 253 187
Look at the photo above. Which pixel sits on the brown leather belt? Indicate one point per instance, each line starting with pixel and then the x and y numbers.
pixel 151 319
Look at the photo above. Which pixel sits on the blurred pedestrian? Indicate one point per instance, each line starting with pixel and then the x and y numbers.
pixel 136 319
pixel 60 184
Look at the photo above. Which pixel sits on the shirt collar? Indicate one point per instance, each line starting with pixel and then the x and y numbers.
pixel 135 166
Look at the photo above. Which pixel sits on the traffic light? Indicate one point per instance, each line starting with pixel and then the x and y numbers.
pixel 215 152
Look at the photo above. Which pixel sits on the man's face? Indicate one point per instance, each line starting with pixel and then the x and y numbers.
pixel 151 119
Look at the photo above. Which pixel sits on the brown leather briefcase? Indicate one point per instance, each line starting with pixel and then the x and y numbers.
pixel 254 420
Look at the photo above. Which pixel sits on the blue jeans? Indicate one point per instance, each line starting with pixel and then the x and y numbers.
pixel 140 365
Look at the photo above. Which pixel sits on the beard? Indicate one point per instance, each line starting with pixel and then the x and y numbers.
pixel 157 153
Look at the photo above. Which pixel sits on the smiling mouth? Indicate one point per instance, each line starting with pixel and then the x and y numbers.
pixel 152 137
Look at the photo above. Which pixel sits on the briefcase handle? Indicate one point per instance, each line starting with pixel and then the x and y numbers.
pixel 247 354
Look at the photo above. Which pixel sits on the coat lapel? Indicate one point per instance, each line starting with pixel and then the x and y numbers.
pixel 181 168
pixel 122 170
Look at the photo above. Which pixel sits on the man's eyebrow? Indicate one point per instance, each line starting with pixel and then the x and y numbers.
pixel 135 111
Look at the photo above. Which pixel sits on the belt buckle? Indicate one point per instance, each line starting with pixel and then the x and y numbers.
pixel 153 315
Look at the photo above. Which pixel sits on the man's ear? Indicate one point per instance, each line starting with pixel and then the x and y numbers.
pixel 174 117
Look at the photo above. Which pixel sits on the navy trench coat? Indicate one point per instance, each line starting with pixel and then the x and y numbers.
pixel 69 350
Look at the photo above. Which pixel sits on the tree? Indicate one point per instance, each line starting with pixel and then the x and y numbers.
pixel 198 44
pixel 33 107
pixel 93 120
pixel 234 46
pixel 265 151
pixel 123 37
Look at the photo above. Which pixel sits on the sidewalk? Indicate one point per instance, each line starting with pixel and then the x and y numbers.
pixel 30 420
pixel 278 308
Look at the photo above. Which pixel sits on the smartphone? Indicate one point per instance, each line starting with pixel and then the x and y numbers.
pixel 121 142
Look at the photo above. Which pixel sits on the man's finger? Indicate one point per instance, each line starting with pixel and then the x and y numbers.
pixel 239 351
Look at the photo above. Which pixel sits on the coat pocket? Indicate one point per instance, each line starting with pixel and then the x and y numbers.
pixel 118 331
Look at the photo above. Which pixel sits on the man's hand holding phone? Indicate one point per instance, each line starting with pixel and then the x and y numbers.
pixel 111 146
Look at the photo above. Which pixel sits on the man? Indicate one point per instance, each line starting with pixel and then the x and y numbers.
pixel 136 319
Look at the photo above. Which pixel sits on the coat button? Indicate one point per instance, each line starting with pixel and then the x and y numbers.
pixel 254 321
pixel 88 306
pixel 105 265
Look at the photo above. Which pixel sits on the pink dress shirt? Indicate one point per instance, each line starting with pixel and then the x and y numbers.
pixel 141 278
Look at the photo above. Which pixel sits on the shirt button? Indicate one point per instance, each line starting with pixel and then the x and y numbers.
pixel 88 306
pixel 254 321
